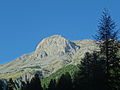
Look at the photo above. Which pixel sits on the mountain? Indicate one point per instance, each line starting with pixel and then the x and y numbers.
pixel 50 55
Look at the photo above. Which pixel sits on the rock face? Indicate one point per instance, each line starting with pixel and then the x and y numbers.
pixel 51 54
pixel 55 45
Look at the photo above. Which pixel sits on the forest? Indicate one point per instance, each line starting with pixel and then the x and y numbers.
pixel 99 70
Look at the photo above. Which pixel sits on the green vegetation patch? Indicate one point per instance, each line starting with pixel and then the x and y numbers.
pixel 69 68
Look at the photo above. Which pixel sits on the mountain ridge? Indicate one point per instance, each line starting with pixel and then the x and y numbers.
pixel 51 54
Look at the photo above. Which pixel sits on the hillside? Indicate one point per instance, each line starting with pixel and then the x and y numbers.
pixel 51 54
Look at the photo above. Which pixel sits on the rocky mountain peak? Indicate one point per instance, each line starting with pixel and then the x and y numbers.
pixel 55 39
pixel 55 45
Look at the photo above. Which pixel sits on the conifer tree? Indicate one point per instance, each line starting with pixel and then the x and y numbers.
pixel 91 75
pixel 108 37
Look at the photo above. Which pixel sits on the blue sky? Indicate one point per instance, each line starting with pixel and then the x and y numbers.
pixel 24 23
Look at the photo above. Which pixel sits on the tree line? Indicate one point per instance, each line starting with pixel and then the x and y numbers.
pixel 99 70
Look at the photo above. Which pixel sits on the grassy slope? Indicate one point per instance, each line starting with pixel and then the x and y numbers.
pixel 69 68
pixel 11 75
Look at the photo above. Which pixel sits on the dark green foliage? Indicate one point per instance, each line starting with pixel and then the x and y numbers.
pixel 107 35
pixel 27 86
pixel 69 68
pixel 24 85
pixel 65 82
pixel 1 85
pixel 35 84
pixel 11 84
pixel 106 28
pixel 52 85
pixel 91 75
pixel 44 87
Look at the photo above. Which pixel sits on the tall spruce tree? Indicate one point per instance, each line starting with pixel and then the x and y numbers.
pixel 108 37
